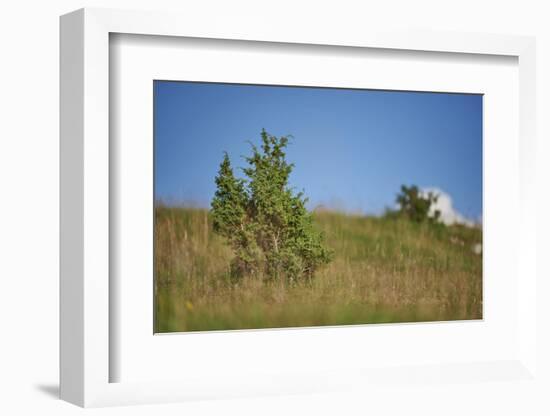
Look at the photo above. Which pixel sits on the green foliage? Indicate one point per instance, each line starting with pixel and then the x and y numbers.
pixel 416 206
pixel 267 225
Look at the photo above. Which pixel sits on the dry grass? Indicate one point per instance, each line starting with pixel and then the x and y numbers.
pixel 383 271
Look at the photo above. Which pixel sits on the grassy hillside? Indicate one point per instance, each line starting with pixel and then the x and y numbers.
pixel 384 270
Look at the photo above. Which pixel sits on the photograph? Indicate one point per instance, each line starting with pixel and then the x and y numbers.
pixel 282 206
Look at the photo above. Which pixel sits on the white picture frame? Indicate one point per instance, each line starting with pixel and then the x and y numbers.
pixel 85 353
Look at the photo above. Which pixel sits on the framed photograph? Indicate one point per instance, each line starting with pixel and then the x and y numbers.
pixel 261 212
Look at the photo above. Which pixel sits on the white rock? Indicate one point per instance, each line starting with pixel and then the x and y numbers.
pixel 477 248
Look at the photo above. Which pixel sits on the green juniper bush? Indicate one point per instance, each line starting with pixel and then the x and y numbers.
pixel 264 221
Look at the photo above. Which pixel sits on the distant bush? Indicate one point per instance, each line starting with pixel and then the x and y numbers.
pixel 416 205
pixel 267 225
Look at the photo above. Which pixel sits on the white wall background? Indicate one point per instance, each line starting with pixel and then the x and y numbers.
pixel 29 198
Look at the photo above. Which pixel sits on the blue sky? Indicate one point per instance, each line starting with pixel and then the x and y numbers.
pixel 352 148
